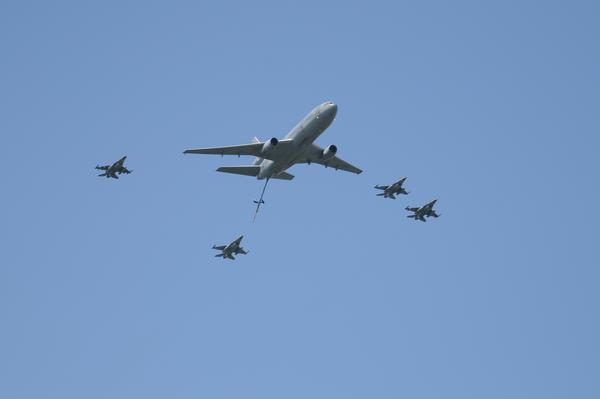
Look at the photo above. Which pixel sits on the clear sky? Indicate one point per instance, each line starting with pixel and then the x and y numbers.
pixel 109 288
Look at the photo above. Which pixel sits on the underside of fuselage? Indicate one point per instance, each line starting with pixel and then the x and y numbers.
pixel 302 136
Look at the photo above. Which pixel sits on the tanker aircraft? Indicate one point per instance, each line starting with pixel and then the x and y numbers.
pixel 275 156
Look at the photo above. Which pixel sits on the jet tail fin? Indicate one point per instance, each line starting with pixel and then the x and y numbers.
pixel 250 170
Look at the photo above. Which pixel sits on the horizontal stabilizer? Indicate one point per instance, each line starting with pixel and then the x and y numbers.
pixel 284 176
pixel 250 170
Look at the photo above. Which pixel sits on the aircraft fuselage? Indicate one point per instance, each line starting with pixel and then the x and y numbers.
pixel 302 136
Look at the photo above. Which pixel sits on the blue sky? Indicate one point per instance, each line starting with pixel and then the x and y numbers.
pixel 109 289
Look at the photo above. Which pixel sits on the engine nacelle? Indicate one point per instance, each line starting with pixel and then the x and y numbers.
pixel 328 152
pixel 269 145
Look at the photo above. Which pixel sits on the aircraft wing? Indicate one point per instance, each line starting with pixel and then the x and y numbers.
pixel 340 164
pixel 427 208
pixel 314 155
pixel 252 149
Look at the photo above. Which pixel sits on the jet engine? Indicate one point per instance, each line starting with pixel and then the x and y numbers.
pixel 269 145
pixel 328 152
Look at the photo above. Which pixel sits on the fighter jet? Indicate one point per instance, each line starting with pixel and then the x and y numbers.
pixel 227 251
pixel 114 169
pixel 394 189
pixel 275 156
pixel 424 211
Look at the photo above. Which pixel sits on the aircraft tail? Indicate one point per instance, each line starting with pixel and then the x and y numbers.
pixel 249 170
pixel 252 170
pixel 284 176
pixel 107 175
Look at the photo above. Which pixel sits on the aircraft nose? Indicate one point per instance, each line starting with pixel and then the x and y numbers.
pixel 329 109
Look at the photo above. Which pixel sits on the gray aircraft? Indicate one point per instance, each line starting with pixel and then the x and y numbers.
pixel 114 169
pixel 424 211
pixel 275 156
pixel 227 251
pixel 393 190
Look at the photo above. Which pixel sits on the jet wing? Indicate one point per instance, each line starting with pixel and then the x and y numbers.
pixel 427 208
pixel 252 149
pixel 314 155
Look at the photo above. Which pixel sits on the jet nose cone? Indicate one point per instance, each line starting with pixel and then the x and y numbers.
pixel 329 109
